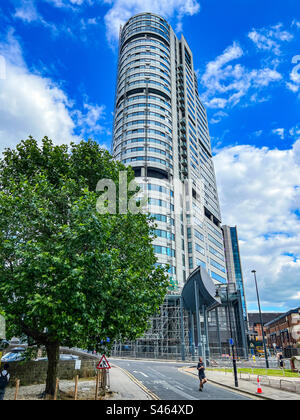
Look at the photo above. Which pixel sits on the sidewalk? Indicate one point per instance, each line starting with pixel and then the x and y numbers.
pixel 125 387
pixel 247 386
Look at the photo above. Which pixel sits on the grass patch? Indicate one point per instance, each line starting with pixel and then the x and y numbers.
pixel 266 372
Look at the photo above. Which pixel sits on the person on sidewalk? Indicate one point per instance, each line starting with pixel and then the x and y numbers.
pixel 281 363
pixel 4 379
pixel 201 373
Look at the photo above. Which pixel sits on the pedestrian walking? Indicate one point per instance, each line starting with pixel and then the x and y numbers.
pixel 281 364
pixel 4 379
pixel 279 358
pixel 201 373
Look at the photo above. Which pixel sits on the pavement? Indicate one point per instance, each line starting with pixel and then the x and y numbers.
pixel 249 385
pixel 126 387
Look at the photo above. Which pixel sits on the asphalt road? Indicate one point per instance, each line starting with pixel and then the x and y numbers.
pixel 168 383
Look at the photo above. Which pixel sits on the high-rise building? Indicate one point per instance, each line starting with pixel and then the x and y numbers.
pixel 233 262
pixel 161 131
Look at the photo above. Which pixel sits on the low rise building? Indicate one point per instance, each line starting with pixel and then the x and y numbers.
pixel 283 333
pixel 255 330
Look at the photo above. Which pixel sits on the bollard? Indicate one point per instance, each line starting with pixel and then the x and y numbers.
pixel 97 385
pixel 17 388
pixel 56 389
pixel 103 381
pixel 76 388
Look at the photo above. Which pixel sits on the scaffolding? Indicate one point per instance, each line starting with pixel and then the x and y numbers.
pixel 164 339
pixel 173 332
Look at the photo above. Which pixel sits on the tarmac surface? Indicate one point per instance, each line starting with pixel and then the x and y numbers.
pixel 167 381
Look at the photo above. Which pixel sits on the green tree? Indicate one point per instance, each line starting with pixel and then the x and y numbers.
pixel 69 275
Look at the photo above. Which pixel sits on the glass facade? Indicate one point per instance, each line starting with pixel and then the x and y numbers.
pixel 238 267
pixel 233 262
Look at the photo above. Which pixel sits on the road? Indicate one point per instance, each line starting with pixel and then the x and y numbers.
pixel 166 381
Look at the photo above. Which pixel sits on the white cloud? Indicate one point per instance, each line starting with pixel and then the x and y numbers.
pixel 68 3
pixel 279 132
pixel 295 74
pixel 122 10
pixel 259 192
pixel 295 131
pixel 225 84
pixel 89 120
pixel 271 38
pixel 217 117
pixel 119 11
pixel 34 105
pixel 264 77
pixel 258 133
pixel 215 102
pixel 27 11
pixel 291 86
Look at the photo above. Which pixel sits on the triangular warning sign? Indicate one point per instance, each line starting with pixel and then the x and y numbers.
pixel 103 364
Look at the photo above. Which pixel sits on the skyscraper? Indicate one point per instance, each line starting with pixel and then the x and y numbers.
pixel 161 130
pixel 233 262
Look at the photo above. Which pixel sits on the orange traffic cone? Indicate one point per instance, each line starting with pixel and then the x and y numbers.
pixel 259 390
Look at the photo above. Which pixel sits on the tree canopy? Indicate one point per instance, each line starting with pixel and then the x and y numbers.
pixel 69 275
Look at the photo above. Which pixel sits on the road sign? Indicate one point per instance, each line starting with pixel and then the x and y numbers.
pixel 103 364
pixel 231 341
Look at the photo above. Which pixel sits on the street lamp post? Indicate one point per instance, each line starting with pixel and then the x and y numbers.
pixel 261 321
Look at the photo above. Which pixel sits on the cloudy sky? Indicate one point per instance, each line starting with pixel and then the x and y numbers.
pixel 57 78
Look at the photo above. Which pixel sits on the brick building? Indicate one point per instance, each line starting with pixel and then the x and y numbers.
pixel 284 332
pixel 255 331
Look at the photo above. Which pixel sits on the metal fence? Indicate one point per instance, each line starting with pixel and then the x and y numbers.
pixel 283 384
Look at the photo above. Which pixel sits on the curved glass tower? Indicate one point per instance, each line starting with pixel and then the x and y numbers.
pixel 161 131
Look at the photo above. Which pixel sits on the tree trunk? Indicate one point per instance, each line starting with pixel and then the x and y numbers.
pixel 53 358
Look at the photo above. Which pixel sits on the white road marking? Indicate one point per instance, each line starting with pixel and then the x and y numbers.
pixel 142 373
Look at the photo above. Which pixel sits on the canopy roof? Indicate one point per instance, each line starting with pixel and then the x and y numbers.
pixel 206 289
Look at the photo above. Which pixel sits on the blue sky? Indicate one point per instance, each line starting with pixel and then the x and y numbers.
pixel 58 79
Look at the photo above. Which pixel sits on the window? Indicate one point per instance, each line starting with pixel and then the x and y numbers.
pixel 217 265
pixel 217 277
pixel 199 249
pixel 164 250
